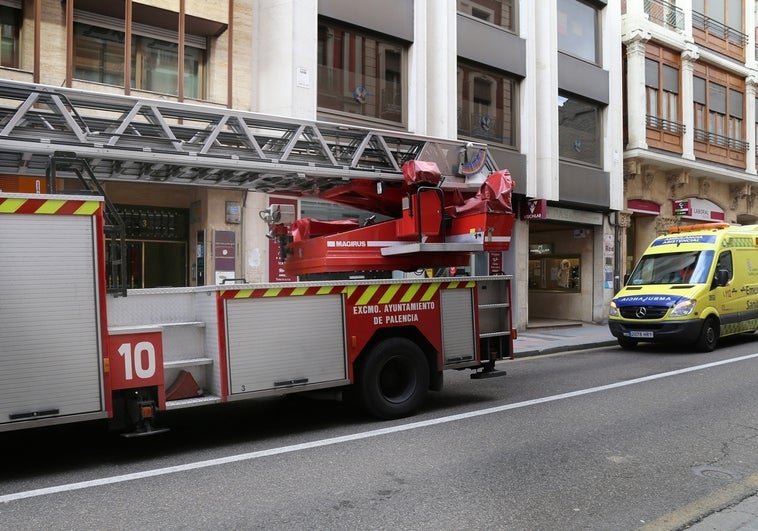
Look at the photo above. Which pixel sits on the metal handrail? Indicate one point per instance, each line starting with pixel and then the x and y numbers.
pixel 665 14
pixel 662 124
pixel 718 29
pixel 720 140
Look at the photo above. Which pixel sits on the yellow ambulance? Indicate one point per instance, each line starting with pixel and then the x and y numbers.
pixel 692 286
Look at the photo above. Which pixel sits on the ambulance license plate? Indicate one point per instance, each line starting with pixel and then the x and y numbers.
pixel 645 334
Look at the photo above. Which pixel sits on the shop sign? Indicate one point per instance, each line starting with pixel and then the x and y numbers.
pixel 540 249
pixel 698 209
pixel 534 209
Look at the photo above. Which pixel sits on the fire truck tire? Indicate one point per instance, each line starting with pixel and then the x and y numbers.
pixel 393 379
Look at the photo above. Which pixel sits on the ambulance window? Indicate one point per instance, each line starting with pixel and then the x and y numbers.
pixel 725 262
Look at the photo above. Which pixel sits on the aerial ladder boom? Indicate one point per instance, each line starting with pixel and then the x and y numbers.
pixel 421 183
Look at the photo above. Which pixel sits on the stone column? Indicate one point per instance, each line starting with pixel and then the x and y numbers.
pixel 749 122
pixel 689 57
pixel 285 76
pixel 635 89
pixel 437 111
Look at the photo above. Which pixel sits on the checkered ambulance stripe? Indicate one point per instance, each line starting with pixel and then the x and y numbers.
pixel 356 295
pixel 14 205
pixel 741 241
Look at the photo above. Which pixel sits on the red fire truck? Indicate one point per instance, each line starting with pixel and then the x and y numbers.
pixel 74 348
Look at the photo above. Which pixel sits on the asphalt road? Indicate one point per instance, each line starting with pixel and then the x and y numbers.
pixel 603 439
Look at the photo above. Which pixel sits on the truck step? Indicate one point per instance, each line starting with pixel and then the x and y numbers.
pixel 194 362
pixel 191 402
pixel 487 374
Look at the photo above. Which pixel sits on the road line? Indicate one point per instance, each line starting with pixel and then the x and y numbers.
pixel 354 437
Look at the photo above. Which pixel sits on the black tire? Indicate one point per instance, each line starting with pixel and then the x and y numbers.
pixel 393 379
pixel 709 335
pixel 627 343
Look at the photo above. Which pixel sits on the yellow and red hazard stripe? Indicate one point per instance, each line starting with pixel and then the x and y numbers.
pixel 394 293
pixel 20 205
pixel 262 293
pixel 358 295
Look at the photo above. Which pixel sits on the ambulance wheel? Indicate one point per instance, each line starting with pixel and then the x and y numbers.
pixel 627 343
pixel 709 335
pixel 393 379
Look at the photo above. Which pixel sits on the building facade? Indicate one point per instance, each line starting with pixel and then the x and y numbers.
pixel 690 117
pixel 539 82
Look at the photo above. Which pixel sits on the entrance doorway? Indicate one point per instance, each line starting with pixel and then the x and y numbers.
pixel 157 241
pixel 560 272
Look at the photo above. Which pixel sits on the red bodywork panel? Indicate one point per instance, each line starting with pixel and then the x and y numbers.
pixel 136 360
pixel 425 214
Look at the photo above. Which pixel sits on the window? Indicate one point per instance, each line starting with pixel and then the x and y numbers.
pixel 99 56
pixel 726 12
pixel 578 129
pixel 725 262
pixel 498 12
pixel 734 126
pixel 577 30
pixel 361 73
pixel 486 104
pixel 664 129
pixel 662 88
pixel 718 105
pixel 718 25
pixel 10 23
pixel 155 67
pixel 555 273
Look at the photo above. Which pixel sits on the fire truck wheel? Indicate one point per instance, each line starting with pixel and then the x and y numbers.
pixel 393 379
pixel 709 335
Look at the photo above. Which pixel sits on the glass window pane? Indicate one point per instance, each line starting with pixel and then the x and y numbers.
pixel 670 79
pixel 698 89
pixel 10 22
pixel 361 73
pixel 155 65
pixel 734 15
pixel 485 104
pixel 577 29
pixel 715 10
pixel 578 129
pixel 717 98
pixel 651 73
pixel 652 101
pixel 194 62
pixel 498 12
pixel 735 103
pixel 98 54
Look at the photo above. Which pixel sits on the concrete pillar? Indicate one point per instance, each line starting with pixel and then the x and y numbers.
pixel 284 79
pixel 436 62
pixel 545 40
pixel 635 90
pixel 750 136
pixel 689 57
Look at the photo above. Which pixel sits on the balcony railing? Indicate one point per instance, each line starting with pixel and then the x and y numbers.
pixel 662 124
pixel 665 14
pixel 719 30
pixel 721 140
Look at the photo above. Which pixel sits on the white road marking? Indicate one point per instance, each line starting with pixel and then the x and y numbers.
pixel 354 437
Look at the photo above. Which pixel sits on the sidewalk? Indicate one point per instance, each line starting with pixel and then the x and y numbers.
pixel 547 337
